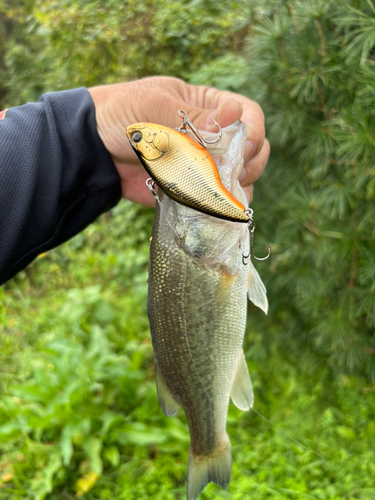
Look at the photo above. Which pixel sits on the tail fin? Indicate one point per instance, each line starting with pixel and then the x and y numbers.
pixel 202 470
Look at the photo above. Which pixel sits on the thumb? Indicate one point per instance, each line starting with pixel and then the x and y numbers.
pixel 226 114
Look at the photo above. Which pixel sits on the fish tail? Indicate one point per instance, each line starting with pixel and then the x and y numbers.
pixel 215 467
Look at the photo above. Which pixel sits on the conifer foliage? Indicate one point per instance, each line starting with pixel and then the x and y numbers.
pixel 79 415
pixel 312 66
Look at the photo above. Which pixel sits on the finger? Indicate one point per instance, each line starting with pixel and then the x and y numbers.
pixel 253 120
pixel 249 193
pixel 133 184
pixel 252 115
pixel 254 168
pixel 227 113
pixel 203 105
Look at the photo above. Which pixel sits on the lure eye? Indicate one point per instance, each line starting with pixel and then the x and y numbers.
pixel 137 137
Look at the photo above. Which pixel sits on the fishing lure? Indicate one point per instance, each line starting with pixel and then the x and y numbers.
pixel 185 171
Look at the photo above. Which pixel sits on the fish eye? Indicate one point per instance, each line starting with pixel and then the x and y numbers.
pixel 137 137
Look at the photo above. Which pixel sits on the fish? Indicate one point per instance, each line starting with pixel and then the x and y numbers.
pixel 184 170
pixel 198 285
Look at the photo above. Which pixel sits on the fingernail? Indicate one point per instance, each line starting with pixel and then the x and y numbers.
pixel 210 119
pixel 249 150
pixel 227 113
pixel 242 176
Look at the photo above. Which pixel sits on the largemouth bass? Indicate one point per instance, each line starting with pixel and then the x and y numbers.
pixel 184 170
pixel 197 306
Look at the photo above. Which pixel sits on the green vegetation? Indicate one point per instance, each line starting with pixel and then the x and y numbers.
pixel 79 416
pixel 79 406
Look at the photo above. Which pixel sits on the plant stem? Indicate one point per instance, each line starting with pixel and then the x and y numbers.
pixel 323 45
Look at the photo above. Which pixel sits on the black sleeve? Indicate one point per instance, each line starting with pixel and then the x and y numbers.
pixel 56 176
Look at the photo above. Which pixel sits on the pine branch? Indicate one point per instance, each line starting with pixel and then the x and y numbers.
pixel 323 44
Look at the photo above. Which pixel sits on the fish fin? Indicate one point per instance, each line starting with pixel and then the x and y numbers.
pixel 167 402
pixel 202 470
pixel 242 390
pixel 256 290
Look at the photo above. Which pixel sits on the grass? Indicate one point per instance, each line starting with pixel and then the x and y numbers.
pixel 79 416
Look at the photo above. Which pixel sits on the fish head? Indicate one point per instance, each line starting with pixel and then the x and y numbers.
pixel 149 141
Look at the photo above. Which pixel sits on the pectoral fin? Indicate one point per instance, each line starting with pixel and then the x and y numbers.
pixel 167 402
pixel 242 390
pixel 256 290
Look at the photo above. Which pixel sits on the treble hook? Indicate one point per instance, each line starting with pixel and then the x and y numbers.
pixel 251 225
pixel 150 183
pixel 187 123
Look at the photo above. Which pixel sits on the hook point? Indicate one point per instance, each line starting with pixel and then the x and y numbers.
pixel 266 257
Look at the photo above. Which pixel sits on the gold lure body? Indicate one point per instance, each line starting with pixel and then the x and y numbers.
pixel 184 170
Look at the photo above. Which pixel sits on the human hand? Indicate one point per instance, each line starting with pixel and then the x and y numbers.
pixel 157 100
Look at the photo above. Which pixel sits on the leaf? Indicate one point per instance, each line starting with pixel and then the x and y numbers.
pixel 138 433
pixel 42 484
pixel 346 432
pixel 66 443
pixel 112 455
pixel 85 483
pixel 93 447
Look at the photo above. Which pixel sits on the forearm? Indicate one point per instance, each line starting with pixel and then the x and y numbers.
pixel 56 176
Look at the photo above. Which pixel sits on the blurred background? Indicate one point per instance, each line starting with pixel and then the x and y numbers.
pixel 79 415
